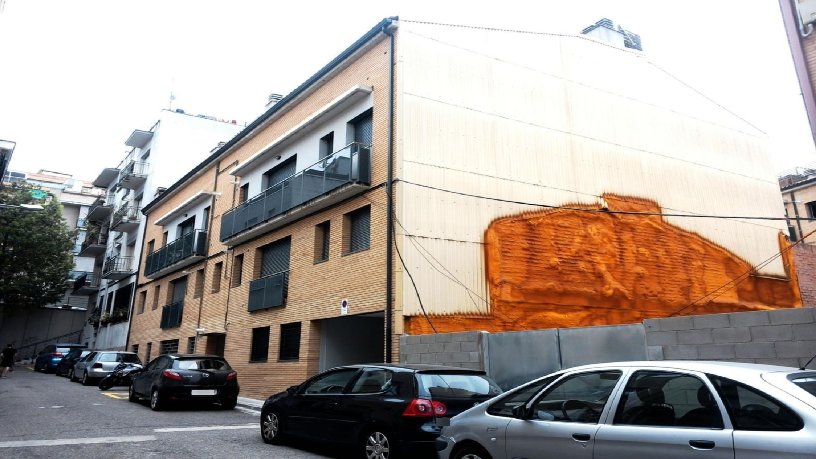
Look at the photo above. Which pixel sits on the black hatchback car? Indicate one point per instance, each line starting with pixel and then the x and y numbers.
pixel 383 410
pixel 186 378
pixel 67 362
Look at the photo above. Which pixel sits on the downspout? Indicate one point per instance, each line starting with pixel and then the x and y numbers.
pixel 796 213
pixel 207 250
pixel 135 286
pixel 389 190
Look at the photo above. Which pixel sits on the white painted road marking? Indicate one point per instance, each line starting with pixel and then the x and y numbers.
pixel 75 441
pixel 201 429
pixel 248 410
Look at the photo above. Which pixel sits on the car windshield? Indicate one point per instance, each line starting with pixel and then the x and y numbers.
pixel 447 385
pixel 201 364
pixel 64 350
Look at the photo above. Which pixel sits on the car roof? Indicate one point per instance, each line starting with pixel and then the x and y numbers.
pixel 194 356
pixel 416 368
pixel 726 369
pixel 69 345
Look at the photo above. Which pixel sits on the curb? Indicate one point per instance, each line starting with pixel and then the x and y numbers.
pixel 250 403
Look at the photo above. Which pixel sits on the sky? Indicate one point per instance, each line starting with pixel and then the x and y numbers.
pixel 78 77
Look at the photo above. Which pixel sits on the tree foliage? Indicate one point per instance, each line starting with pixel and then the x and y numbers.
pixel 35 251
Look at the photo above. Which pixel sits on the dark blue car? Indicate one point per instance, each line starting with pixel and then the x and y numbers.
pixel 49 358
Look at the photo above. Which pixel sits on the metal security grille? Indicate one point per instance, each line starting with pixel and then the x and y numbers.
pixel 275 258
pixel 360 237
pixel 280 172
pixel 260 344
pixel 169 346
pixel 191 342
pixel 289 341
pixel 363 129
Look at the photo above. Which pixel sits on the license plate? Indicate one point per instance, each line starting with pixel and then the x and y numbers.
pixel 202 392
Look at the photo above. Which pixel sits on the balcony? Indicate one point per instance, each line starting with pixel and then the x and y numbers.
pixel 171 314
pixel 99 211
pixel 133 175
pixel 268 292
pixel 184 251
pixel 86 284
pixel 95 244
pixel 117 267
pixel 334 178
pixel 106 177
pixel 125 219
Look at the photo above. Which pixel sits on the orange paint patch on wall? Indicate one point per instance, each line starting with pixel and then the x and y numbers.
pixel 568 268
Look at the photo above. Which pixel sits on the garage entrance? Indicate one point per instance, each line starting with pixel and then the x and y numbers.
pixel 352 339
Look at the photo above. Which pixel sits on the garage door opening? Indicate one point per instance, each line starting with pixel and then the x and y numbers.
pixel 352 339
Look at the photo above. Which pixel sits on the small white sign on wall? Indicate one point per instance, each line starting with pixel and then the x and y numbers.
pixel 343 307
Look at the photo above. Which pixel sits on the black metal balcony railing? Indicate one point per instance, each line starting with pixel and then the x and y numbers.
pixel 117 267
pixel 191 244
pixel 352 164
pixel 86 281
pixel 125 216
pixel 171 314
pixel 268 292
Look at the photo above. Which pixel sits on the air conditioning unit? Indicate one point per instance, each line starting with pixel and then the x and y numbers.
pixel 807 11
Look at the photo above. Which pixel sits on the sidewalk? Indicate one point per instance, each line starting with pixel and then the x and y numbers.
pixel 250 403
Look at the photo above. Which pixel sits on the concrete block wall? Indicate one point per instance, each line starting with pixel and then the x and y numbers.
pixel 778 337
pixel 466 349
pixel 804 256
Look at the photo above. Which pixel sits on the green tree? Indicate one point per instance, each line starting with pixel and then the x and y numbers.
pixel 35 251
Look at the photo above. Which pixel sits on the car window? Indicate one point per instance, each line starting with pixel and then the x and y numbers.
pixel 201 364
pixel 330 383
pixel 808 383
pixel 129 358
pixel 451 385
pixel 153 364
pixel 577 398
pixel 372 381
pixel 65 350
pixel 664 398
pixel 505 405
pixel 108 357
pixel 751 409
pixel 88 357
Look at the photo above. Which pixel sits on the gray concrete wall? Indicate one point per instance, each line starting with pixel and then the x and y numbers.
pixel 779 337
pixel 466 350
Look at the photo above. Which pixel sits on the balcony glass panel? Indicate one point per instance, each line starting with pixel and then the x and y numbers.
pixel 268 292
pixel 172 314
pixel 191 244
pixel 352 164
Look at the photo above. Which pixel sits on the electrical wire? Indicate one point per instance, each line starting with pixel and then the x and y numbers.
pixel 416 290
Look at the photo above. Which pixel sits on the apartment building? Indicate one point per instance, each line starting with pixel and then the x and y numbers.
pixel 529 187
pixel 156 158
pixel 65 319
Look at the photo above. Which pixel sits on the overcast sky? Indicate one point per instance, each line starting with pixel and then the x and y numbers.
pixel 78 76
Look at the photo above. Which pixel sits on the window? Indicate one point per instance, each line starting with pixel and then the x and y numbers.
pixel 504 407
pixel 576 398
pixel 321 242
pixel 289 341
pixel 751 409
pixel 186 227
pixel 147 352
pixel 164 239
pixel 205 218
pixel 237 270
pixel 134 348
pixel 191 345
pixel 330 383
pixel 168 346
pixel 372 381
pixel 140 306
pixel 326 145
pixel 362 127
pixel 156 294
pixel 259 352
pixel 357 229
pixel 198 289
pixel 279 173
pixel 243 193
pixel 792 232
pixel 216 280
pixel 661 398
pixel 150 248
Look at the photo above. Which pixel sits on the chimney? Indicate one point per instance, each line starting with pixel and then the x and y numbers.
pixel 273 99
pixel 608 32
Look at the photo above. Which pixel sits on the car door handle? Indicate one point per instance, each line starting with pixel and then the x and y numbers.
pixel 333 404
pixel 702 444
pixel 580 437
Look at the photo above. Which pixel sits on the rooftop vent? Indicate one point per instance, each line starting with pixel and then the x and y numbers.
pixel 607 31
pixel 273 99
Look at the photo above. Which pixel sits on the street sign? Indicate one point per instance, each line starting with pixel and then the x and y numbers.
pixel 38 194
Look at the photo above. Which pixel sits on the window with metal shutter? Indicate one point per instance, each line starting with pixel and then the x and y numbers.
pixel 179 289
pixel 275 258
pixel 360 222
pixel 363 128
pixel 169 346
pixel 280 172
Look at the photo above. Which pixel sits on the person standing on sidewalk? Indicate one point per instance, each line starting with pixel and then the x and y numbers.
pixel 7 360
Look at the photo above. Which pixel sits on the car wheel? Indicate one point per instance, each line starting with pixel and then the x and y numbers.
pixel 71 375
pixel 85 380
pixel 156 403
pixel 132 397
pixel 377 445
pixel 471 452
pixel 271 428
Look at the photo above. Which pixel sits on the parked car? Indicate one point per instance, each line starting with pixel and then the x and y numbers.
pixel 186 378
pixel 71 358
pixel 52 354
pixel 99 364
pixel 381 409
pixel 79 365
pixel 638 410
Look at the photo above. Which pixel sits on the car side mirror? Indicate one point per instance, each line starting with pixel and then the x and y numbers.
pixel 293 389
pixel 520 412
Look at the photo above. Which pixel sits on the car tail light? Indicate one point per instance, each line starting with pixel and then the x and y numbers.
pixel 96 365
pixel 422 408
pixel 170 374
pixel 56 354
pixel 233 375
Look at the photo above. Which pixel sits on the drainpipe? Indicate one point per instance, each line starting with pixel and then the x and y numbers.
pixel 135 286
pixel 389 190
pixel 796 213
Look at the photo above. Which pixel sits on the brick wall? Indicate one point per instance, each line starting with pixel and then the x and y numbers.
pixel 805 258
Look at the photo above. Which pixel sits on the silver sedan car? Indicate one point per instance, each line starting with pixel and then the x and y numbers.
pixel 645 410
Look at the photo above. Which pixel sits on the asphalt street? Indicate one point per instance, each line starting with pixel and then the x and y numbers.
pixel 45 416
